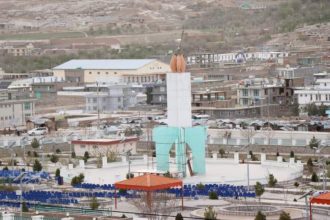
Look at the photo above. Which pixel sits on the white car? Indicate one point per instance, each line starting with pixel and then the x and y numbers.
pixel 38 131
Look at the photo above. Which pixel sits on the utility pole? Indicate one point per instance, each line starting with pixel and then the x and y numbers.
pixel 98 105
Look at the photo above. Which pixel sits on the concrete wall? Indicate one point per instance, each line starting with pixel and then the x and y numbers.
pixel 280 138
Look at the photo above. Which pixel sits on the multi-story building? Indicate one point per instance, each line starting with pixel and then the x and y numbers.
pixel 112 98
pixel 317 94
pixel 133 71
pixel 263 91
pixel 15 110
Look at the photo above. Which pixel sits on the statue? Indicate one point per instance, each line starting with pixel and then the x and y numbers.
pixel 178 63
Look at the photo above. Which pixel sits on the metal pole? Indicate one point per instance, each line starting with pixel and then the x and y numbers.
pixel 248 175
pixel 98 106
pixel 21 198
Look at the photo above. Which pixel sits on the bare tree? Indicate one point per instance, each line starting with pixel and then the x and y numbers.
pixel 155 203
pixel 248 134
pixel 268 132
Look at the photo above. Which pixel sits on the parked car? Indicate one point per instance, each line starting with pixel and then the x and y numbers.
pixel 38 131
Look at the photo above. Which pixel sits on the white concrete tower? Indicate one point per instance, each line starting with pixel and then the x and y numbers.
pixel 178 99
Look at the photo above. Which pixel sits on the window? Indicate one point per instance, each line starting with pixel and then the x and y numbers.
pixel 162 89
pixel 245 92
pixel 115 73
pixel 95 146
pixel 27 106
pixel 94 100
pixel 245 102
pixel 82 146
pixel 311 97
pixel 90 73
pixel 256 92
pixel 98 73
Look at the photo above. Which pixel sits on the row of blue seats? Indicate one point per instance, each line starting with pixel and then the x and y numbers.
pixel 95 186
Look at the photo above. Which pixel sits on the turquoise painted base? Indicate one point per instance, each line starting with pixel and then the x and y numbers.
pixel 167 137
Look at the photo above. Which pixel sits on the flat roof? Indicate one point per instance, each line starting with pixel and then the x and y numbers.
pixel 104 64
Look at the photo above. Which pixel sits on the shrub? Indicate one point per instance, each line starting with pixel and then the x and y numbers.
pixel 200 186
pixel 37 166
pixel 222 152
pixel 210 214
pixel 35 143
pixel 314 177
pixel 291 154
pixel 272 180
pixel 73 154
pixel 285 216
pixel 178 216
pixel 86 156
pixel 213 195
pixel 57 172
pixel 296 184
pixel 5 168
pixel 259 189
pixel 24 207
pixel 58 151
pixel 260 216
pixel 35 154
pixel 54 158
pixel 94 203
pixel 77 179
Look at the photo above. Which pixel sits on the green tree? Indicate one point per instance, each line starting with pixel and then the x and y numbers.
pixel 210 214
pixel 54 158
pixel 178 216
pixel 322 109
pixel 222 152
pixel 285 216
pixel 37 166
pixel 73 154
pixel 271 180
pixel 94 203
pixel 35 143
pixel 58 172
pixel 259 189
pixel 314 177
pixel 312 109
pixel 260 216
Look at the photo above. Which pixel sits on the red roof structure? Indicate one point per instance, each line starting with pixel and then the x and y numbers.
pixel 323 199
pixel 149 182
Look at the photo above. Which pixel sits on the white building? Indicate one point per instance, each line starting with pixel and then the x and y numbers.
pixel 14 113
pixel 103 147
pixel 318 93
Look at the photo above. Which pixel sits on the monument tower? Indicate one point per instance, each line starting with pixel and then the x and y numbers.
pixel 179 130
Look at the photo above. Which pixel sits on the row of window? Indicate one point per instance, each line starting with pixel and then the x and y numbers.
pixel 6 118
pixel 98 73
pixel 141 79
pixel 317 97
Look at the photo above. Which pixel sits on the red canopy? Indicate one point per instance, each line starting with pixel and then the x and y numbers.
pixel 148 182
pixel 321 199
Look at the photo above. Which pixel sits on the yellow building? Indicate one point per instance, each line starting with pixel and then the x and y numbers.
pixel 126 70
